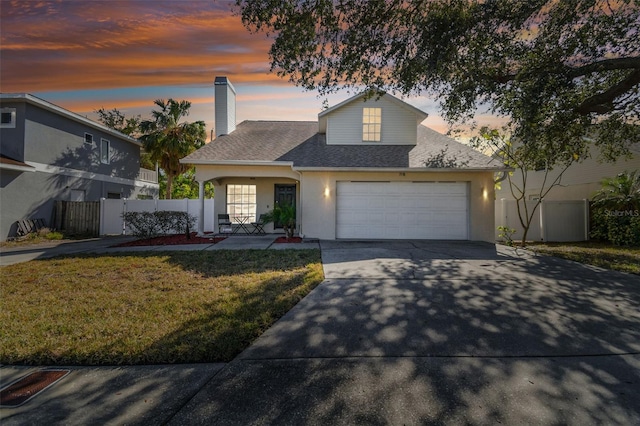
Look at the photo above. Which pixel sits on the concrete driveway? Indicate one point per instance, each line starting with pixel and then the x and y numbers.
pixel 440 333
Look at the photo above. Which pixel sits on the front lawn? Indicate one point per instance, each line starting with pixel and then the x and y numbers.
pixel 623 259
pixel 148 307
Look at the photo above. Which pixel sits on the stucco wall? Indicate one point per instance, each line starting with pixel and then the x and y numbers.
pixel 319 211
pixel 52 139
pixel 344 125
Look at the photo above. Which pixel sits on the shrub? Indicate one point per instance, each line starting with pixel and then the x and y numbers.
pixel 506 233
pixel 153 224
pixel 54 236
pixel 47 234
pixel 615 215
pixel 619 229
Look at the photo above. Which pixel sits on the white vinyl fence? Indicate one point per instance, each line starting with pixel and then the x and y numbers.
pixel 111 211
pixel 558 221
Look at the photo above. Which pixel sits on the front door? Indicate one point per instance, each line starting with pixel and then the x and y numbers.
pixel 284 194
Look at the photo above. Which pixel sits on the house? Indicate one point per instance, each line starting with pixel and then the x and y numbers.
pixel 366 169
pixel 48 153
pixel 579 182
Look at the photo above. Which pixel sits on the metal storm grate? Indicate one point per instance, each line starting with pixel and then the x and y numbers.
pixel 29 386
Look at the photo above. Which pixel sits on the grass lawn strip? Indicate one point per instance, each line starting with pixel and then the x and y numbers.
pixel 148 307
pixel 624 259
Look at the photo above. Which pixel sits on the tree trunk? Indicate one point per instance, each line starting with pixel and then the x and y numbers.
pixel 169 184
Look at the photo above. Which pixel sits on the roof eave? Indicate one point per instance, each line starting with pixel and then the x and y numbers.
pixel 400 169
pixel 236 162
pixel 18 168
pixel 28 98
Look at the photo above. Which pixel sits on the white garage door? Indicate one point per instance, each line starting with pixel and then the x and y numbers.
pixel 402 210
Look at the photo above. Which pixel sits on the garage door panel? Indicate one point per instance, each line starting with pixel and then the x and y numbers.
pixel 402 210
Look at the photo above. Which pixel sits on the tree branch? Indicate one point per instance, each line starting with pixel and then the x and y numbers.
pixel 597 66
pixel 603 102
pixel 606 65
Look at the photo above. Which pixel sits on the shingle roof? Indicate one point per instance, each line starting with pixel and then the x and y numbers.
pixel 300 143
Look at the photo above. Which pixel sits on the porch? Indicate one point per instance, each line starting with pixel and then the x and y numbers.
pixel 242 194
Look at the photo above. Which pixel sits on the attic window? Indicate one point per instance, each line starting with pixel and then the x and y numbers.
pixel 371 124
pixel 8 117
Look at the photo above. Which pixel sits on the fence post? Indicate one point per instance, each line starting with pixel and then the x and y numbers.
pixel 586 219
pixel 124 222
pixel 102 216
pixel 543 227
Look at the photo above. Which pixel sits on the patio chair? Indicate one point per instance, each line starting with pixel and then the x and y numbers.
pixel 258 226
pixel 224 223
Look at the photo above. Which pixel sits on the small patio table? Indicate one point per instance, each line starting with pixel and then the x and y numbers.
pixel 242 224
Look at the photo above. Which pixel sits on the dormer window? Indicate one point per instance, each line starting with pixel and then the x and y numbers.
pixel 371 124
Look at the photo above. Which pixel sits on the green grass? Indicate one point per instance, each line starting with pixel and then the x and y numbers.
pixel 148 308
pixel 624 259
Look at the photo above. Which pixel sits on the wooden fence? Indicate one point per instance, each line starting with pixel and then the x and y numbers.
pixel 77 217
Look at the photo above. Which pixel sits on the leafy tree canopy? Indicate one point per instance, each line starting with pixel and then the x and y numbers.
pixel 185 186
pixel 115 119
pixel 566 73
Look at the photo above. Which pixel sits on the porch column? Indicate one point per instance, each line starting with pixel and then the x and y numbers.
pixel 201 214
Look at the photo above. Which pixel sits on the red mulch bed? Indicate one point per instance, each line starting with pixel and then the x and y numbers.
pixel 288 240
pixel 172 240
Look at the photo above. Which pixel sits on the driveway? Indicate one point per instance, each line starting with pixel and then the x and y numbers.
pixel 440 332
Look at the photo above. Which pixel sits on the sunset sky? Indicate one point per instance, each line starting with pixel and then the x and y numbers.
pixel 86 54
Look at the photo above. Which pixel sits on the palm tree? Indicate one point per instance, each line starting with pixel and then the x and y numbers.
pixel 621 192
pixel 284 214
pixel 167 140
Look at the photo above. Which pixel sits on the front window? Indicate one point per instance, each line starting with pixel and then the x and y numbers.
pixel 104 151
pixel 241 203
pixel 371 124
pixel 8 117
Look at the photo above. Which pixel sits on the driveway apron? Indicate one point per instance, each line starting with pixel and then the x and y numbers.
pixel 415 332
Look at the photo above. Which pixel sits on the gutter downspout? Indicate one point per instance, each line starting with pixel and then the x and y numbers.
pixel 300 181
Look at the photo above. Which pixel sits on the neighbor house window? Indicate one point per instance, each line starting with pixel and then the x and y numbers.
pixel 8 117
pixel 371 124
pixel 88 138
pixel 105 156
pixel 241 203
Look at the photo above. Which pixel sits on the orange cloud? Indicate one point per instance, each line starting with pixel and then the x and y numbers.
pixel 97 45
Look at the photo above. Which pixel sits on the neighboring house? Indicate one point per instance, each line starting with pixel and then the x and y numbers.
pixel 579 182
pixel 48 153
pixel 366 169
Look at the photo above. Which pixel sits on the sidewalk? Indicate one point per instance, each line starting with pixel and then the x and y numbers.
pixel 11 255
pixel 109 395
pixel 103 245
